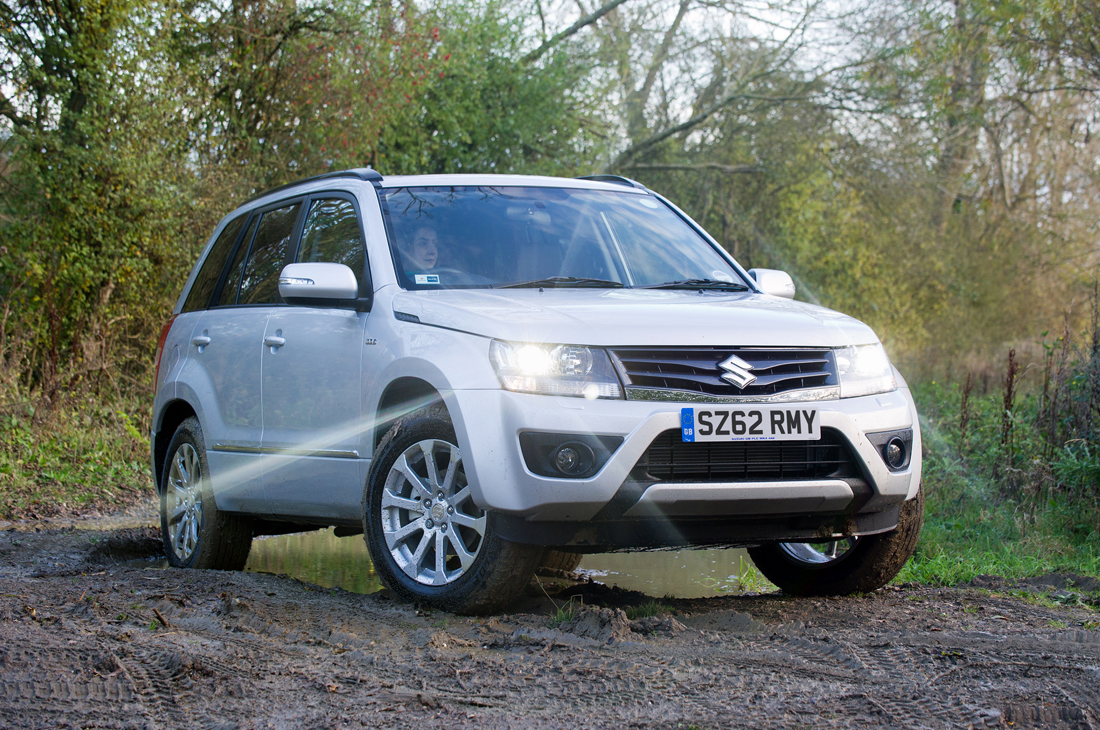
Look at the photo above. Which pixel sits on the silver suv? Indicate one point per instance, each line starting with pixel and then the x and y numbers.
pixel 485 374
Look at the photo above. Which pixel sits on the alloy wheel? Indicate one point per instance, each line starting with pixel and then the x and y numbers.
pixel 183 501
pixel 819 553
pixel 431 525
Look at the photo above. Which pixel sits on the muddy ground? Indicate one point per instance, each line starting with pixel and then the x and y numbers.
pixel 88 641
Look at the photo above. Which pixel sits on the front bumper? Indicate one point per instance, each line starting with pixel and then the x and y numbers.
pixel 488 424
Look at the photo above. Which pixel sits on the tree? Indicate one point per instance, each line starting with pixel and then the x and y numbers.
pixel 86 198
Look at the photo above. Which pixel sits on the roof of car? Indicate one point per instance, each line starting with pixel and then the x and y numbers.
pixel 594 182
pixel 585 183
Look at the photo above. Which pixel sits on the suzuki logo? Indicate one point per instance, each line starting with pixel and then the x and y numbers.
pixel 737 372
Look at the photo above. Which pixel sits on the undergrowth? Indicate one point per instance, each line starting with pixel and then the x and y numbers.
pixel 81 456
pixel 652 607
pixel 566 612
pixel 1002 497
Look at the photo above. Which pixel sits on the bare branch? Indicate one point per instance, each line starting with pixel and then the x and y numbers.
pixel 780 56
pixel 7 110
pixel 698 119
pixel 572 30
pixel 661 55
pixel 733 169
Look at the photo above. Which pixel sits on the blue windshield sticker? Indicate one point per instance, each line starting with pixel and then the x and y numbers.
pixel 687 423
pixel 427 278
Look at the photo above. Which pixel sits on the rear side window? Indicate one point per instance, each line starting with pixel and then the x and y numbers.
pixel 207 279
pixel 260 277
pixel 331 235
pixel 233 281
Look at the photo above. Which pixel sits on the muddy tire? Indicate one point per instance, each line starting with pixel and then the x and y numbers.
pixel 560 560
pixel 429 542
pixel 868 563
pixel 195 533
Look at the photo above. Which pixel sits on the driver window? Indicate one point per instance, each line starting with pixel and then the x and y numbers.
pixel 331 235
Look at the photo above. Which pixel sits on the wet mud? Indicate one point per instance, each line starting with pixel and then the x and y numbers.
pixel 91 641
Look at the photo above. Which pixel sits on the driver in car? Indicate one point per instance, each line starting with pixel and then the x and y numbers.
pixel 423 252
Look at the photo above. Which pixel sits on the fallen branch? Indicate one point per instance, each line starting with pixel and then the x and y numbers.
pixel 160 617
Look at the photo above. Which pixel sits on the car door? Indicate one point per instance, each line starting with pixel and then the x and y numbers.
pixel 228 347
pixel 311 380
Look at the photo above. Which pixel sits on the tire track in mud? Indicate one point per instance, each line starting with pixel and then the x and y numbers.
pixel 243 650
pixel 892 679
pixel 53 685
pixel 154 674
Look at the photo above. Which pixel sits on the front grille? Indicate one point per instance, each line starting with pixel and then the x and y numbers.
pixel 669 459
pixel 696 370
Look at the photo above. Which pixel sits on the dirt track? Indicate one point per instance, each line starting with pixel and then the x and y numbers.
pixel 90 643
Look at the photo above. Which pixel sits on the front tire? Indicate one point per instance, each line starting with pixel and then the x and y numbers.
pixel 195 533
pixel 840 567
pixel 429 542
pixel 561 560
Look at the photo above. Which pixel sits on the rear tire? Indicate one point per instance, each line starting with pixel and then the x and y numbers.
pixel 429 542
pixel 560 560
pixel 869 563
pixel 195 533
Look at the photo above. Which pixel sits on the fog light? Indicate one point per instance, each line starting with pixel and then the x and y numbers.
pixel 567 459
pixel 894 453
pixel 566 455
pixel 572 458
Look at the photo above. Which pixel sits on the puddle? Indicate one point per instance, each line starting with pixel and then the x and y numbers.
pixel 343 562
pixel 678 573
pixel 323 559
pixel 316 557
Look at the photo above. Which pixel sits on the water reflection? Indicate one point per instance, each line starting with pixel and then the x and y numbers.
pixel 678 573
pixel 343 562
pixel 316 557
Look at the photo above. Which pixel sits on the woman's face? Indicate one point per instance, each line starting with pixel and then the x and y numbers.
pixel 425 248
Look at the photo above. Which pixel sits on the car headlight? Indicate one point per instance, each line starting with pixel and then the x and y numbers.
pixel 569 370
pixel 864 370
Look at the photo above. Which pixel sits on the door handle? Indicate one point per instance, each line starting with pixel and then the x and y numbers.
pixel 273 341
pixel 200 341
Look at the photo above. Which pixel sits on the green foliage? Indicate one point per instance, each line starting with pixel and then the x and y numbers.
pixel 487 111
pixel 135 123
pixel 566 612
pixel 651 607
pixel 1012 509
pixel 94 199
pixel 77 458
pixel 747 580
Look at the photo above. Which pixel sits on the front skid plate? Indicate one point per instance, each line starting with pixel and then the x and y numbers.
pixel 728 531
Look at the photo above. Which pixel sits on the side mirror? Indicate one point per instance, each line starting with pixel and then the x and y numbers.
pixel 322 285
pixel 774 282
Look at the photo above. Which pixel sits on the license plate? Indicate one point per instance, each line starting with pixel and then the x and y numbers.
pixel 750 423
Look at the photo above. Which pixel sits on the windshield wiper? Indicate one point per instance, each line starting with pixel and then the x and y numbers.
pixel 561 281
pixel 700 284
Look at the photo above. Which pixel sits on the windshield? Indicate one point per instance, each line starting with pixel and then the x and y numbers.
pixel 460 237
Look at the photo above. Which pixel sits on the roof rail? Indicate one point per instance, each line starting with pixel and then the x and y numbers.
pixel 616 179
pixel 366 174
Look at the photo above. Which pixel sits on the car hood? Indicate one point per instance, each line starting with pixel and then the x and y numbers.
pixel 638 317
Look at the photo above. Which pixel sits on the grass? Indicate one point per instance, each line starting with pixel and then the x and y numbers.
pixel 1013 512
pixel 649 608
pixel 747 580
pixel 566 612
pixel 80 457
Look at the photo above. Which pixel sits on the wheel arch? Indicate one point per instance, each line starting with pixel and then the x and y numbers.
pixel 401 397
pixel 172 415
